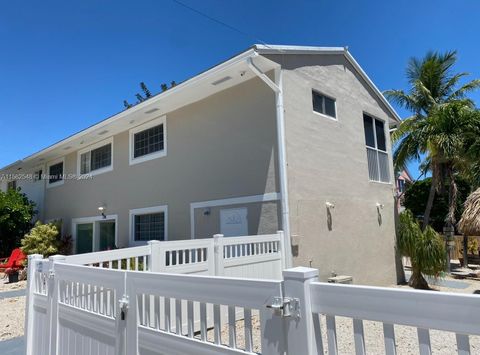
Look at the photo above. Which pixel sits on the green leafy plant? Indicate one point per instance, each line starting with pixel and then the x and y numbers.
pixel 42 239
pixel 441 118
pixel 425 249
pixel 16 213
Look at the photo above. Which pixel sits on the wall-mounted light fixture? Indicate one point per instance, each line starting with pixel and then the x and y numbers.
pixel 329 205
pixel 379 213
pixel 102 210
pixel 207 211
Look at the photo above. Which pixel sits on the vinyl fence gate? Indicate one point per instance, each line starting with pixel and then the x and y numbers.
pixel 106 309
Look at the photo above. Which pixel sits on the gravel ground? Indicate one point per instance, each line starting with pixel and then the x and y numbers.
pixel 12 317
pixel 5 286
pixel 12 310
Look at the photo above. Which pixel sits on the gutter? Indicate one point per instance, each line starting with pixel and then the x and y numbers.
pixel 277 87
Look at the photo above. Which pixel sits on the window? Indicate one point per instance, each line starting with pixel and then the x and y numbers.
pixel 55 173
pixel 148 224
pixel 377 156
pixel 96 159
pixel 324 105
pixel 148 141
pixel 401 185
pixel 12 185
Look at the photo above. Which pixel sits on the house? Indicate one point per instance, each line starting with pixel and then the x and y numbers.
pixel 276 138
pixel 402 180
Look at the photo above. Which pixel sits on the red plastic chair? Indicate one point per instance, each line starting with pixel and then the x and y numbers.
pixel 16 259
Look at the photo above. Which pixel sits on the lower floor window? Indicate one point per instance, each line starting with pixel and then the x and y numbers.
pixel 149 226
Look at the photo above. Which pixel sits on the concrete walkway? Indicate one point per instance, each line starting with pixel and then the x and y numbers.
pixel 14 293
pixel 15 346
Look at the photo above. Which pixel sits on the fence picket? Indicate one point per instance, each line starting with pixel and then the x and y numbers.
pixel 389 339
pixel 217 324
pixel 332 335
pixel 232 332
pixel 424 341
pixel 247 315
pixel 359 337
pixel 463 344
pixel 203 321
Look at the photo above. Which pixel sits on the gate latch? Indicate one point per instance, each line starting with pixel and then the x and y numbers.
pixel 123 303
pixel 286 307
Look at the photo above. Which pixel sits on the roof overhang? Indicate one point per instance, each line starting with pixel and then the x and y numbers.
pixel 279 49
pixel 232 72
pixel 221 77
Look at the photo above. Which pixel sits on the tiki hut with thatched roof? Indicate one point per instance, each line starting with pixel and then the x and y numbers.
pixel 469 224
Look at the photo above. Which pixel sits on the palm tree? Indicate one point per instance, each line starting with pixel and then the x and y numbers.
pixel 432 84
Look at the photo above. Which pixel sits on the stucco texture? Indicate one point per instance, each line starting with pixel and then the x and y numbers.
pixel 327 162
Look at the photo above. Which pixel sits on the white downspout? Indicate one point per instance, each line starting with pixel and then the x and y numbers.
pixel 277 87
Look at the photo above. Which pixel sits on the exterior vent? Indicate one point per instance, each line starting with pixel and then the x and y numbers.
pixel 340 279
pixel 151 110
pixel 102 133
pixel 67 148
pixel 222 80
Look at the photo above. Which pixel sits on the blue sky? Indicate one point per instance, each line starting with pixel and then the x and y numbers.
pixel 65 65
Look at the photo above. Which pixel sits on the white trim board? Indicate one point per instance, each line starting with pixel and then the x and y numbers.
pixel 268 197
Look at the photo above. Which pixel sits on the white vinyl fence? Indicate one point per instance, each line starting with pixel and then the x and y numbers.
pixel 259 256
pixel 76 309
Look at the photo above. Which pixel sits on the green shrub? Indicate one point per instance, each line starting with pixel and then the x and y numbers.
pixel 42 239
pixel 16 213
pixel 426 250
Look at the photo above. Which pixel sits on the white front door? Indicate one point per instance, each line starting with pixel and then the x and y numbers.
pixel 233 222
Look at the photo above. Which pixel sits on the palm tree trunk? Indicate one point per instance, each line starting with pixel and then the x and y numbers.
pixel 417 280
pixel 452 199
pixel 428 208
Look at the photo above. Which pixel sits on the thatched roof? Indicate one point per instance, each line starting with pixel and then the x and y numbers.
pixel 469 224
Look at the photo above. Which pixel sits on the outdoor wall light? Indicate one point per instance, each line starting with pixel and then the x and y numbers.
pixel 380 206
pixel 207 211
pixel 329 205
pixel 102 210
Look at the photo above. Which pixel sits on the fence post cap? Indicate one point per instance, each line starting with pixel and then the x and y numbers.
pixel 218 235
pixel 300 273
pixel 57 257
pixel 150 242
pixel 35 256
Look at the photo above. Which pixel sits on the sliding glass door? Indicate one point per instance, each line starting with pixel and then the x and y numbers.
pixel 84 243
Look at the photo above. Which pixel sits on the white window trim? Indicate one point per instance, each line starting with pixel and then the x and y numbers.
pixel 89 149
pixel 141 211
pixel 155 122
pixel 268 197
pixel 92 220
pixel 373 117
pixel 53 162
pixel 322 114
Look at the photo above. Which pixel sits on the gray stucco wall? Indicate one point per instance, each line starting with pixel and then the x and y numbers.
pixel 327 161
pixel 221 147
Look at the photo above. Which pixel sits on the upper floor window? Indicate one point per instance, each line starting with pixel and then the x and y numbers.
pixel 377 156
pixel 324 105
pixel 148 141
pixel 55 173
pixel 96 159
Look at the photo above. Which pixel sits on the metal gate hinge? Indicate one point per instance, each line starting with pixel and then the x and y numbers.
pixel 286 306
pixel 51 274
pixel 123 303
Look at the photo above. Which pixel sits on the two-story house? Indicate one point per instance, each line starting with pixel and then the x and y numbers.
pixel 276 138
